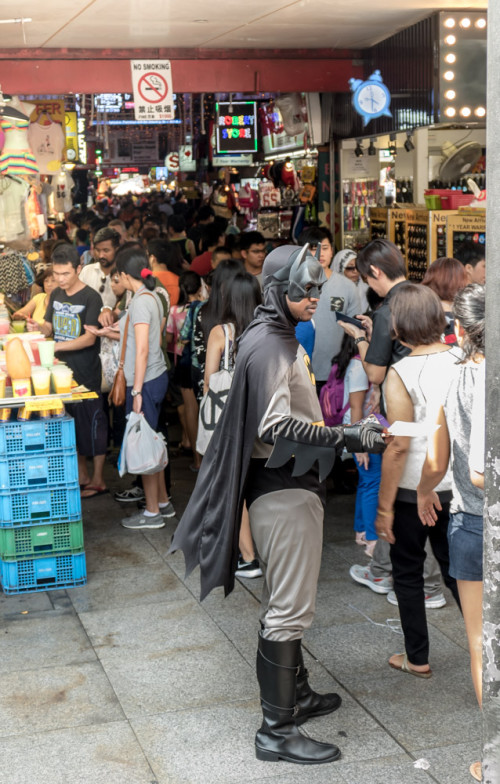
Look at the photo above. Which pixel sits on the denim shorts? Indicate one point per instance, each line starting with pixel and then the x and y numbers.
pixel 153 394
pixel 465 538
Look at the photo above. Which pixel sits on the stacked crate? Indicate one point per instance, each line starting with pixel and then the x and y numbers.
pixel 41 531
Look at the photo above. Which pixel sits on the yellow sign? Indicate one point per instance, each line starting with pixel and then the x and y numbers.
pixel 71 128
pixel 53 109
pixel 54 404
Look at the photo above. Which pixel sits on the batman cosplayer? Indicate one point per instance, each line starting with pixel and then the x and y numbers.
pixel 271 449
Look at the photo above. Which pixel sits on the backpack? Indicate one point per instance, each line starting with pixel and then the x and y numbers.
pixel 331 399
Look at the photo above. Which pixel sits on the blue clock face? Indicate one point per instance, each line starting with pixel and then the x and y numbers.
pixel 372 99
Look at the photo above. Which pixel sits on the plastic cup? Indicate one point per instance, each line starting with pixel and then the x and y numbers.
pixel 3 377
pixel 21 387
pixel 18 326
pixel 62 377
pixel 40 377
pixel 46 352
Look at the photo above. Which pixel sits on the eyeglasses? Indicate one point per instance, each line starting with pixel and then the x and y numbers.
pixel 349 269
pixel 103 285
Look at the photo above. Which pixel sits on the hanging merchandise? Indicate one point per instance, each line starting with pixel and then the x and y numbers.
pixel 13 195
pixel 60 200
pixel 12 272
pixel 34 214
pixel 16 157
pixel 47 140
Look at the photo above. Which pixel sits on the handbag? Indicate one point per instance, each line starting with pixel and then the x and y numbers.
pixel 119 389
pixel 213 400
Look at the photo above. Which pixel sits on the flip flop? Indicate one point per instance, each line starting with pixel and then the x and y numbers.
pixel 476 771
pixel 94 491
pixel 405 667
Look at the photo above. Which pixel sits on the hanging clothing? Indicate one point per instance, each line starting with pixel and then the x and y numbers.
pixel 16 157
pixel 12 272
pixel 34 215
pixel 47 142
pixel 60 200
pixel 13 195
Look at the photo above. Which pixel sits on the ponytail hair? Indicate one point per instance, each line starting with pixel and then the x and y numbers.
pixel 133 261
pixel 469 310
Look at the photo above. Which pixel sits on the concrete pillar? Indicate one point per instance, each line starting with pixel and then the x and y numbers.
pixel 491 602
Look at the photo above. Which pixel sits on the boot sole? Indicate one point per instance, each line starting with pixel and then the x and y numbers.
pixel 272 756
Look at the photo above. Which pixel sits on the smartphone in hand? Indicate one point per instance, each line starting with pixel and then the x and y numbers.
pixel 349 320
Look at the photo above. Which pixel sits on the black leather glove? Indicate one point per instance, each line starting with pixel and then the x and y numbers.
pixel 364 437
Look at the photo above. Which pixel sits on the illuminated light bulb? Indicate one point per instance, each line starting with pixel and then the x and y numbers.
pixel 450 22
pixel 480 111
pixel 465 111
pixel 449 76
pixel 465 22
pixel 481 23
pixel 450 95
pixel 450 58
pixel 450 40
pixel 450 111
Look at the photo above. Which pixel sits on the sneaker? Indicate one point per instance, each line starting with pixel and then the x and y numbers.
pixel 140 520
pixel 363 575
pixel 129 496
pixel 167 511
pixel 248 568
pixel 431 602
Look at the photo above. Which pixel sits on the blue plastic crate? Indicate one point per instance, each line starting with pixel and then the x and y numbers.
pixel 38 470
pixel 43 574
pixel 31 507
pixel 38 436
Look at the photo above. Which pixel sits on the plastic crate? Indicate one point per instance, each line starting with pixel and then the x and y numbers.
pixel 35 507
pixel 39 540
pixel 40 470
pixel 38 436
pixel 455 199
pixel 43 574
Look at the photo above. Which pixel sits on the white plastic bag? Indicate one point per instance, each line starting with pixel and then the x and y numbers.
pixel 143 451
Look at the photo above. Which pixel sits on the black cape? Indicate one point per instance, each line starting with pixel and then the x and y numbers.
pixel 208 532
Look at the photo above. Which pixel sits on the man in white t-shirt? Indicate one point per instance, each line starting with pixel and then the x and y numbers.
pixel 96 275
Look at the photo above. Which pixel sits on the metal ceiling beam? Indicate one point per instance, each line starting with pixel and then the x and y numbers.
pixel 82 75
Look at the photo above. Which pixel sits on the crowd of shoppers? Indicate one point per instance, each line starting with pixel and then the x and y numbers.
pixel 172 291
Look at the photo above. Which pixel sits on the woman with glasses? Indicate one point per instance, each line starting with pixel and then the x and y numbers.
pixel 344 263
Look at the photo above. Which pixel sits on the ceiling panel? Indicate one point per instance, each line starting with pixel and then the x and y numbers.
pixel 225 24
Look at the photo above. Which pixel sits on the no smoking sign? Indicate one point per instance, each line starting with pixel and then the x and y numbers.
pixel 152 86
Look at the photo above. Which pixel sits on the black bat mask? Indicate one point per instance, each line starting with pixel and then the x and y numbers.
pixel 303 273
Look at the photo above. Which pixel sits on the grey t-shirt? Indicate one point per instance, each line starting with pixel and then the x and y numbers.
pixel 458 412
pixel 338 295
pixel 145 308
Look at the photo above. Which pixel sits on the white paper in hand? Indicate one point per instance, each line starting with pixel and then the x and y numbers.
pixel 412 429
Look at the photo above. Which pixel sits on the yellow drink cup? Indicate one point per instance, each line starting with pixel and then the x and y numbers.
pixel 40 377
pixel 62 377
pixel 3 376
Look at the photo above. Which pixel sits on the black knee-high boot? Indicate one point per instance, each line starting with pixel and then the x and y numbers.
pixel 310 703
pixel 278 737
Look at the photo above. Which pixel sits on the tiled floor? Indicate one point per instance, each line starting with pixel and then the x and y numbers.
pixel 130 680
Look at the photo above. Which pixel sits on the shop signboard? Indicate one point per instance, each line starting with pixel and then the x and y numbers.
pixel 152 86
pixel 52 109
pixel 145 151
pixel 232 160
pixel 71 127
pixel 274 137
pixel 108 102
pixel 172 161
pixel 236 129
pixel 81 141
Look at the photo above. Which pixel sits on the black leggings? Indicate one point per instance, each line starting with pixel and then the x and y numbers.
pixel 408 556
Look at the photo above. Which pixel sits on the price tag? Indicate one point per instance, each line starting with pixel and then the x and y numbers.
pixel 44 405
pixel 83 396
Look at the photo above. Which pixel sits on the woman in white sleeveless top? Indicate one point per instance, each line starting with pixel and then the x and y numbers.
pixel 414 388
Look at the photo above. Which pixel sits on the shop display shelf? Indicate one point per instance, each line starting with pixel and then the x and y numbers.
pixel 40 470
pixel 41 540
pixel 43 574
pixel 37 436
pixel 36 507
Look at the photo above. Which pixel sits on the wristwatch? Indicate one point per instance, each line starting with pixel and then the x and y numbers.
pixel 105 307
pixel 360 340
pixel 136 392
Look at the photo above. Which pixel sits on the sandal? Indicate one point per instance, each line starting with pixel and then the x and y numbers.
pixel 405 667
pixel 475 771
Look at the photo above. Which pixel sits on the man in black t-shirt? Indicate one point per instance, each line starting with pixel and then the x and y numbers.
pixel 71 306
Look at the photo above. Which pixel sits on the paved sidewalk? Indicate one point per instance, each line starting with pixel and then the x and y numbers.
pixel 130 680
